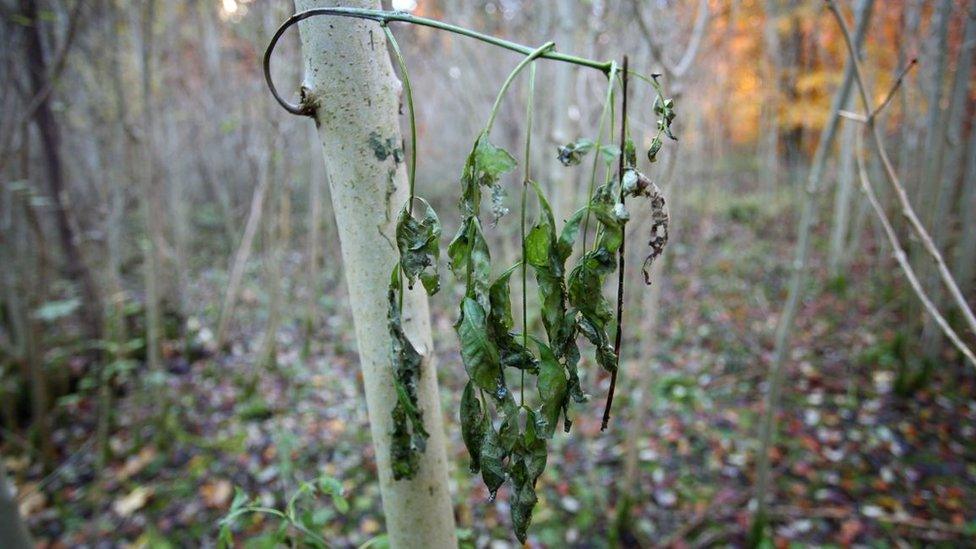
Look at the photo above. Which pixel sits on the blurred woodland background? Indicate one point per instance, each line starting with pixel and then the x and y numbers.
pixel 174 321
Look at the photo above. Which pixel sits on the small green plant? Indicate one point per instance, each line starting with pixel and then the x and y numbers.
pixel 507 439
pixel 299 522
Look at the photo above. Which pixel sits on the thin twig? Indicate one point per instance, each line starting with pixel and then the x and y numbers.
pixel 900 256
pixel 907 210
pixel 894 88
pixel 620 253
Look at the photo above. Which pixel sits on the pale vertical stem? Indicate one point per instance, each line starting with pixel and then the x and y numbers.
pixel 349 79
pixel 769 143
pixel 842 203
pixel 563 181
pixel 150 209
pixel 908 148
pixel 798 279
pixel 241 257
pixel 13 531
pixel 934 135
pixel 276 234
pixel 315 177
pixel 965 267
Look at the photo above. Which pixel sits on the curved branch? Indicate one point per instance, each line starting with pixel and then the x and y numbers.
pixel 383 18
pixel 900 256
pixel 691 50
pixel 892 176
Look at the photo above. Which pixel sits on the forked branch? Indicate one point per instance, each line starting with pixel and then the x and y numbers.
pixel 869 118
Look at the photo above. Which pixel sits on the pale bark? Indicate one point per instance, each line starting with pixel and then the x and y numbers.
pixel 563 184
pixel 315 180
pixel 842 203
pixel 946 173
pixel 13 532
pixel 150 205
pixel 965 267
pixel 349 78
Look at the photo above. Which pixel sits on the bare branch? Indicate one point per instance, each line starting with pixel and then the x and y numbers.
pixel 900 256
pixel 907 210
pixel 894 88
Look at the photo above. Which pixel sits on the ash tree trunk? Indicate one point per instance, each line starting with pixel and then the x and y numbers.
pixel 350 80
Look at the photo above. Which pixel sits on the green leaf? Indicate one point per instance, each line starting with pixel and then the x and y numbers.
pixel 537 244
pixel 501 301
pixel 572 154
pixel 470 258
pixel 630 153
pixel 474 425
pixel 655 148
pixel 492 462
pixel 492 161
pixel 552 389
pixel 419 246
pixel 478 352
pixel 485 165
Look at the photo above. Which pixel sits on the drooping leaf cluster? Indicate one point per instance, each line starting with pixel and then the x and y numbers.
pixel 664 110
pixel 507 440
pixel 418 243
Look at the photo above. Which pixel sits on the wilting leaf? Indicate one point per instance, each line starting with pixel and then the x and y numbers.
pixel 655 148
pixel 409 437
pixel 471 259
pixel 419 246
pixel 485 165
pixel 512 354
pixel 552 389
pixel 479 353
pixel 474 425
pixel 492 461
pixel 529 461
pixel 571 154
pixel 493 162
pixel 630 153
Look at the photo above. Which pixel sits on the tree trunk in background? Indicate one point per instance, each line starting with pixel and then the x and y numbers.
pixel 150 207
pixel 562 181
pixel 934 134
pixel 767 427
pixel 13 532
pixel 769 123
pixel 965 268
pixel 908 144
pixel 49 132
pixel 315 179
pixel 946 174
pixel 350 78
pixel 842 202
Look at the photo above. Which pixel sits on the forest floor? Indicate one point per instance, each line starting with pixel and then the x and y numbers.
pixel 860 459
